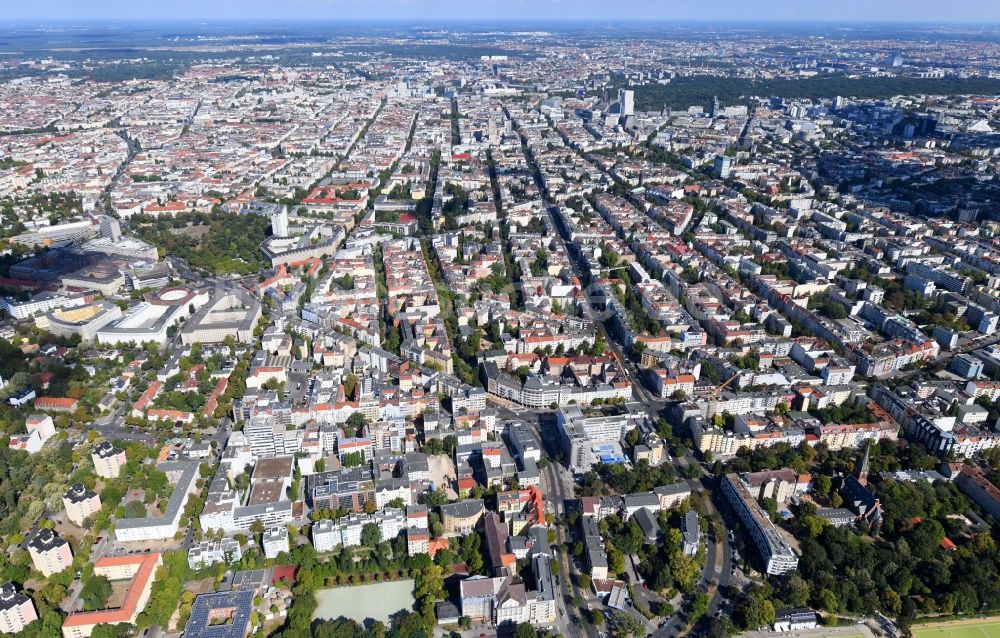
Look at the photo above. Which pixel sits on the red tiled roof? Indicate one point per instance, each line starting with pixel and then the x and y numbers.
pixel 129 609
pixel 435 545
pixel 55 403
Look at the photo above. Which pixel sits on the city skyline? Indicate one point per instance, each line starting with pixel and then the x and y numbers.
pixel 722 11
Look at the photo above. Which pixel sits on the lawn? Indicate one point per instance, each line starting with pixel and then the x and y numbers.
pixel 985 629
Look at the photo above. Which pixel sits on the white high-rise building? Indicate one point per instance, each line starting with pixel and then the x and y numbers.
pixel 279 222
pixel 260 434
pixel 626 102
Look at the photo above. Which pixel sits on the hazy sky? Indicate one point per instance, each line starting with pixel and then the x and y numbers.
pixel 722 10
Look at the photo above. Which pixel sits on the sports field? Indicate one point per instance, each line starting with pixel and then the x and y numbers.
pixel 984 629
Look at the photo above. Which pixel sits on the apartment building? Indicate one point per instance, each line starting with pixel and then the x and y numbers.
pixel 49 553
pixel 347 531
pixel 275 541
pixel 17 611
pixel 183 474
pixel 348 488
pixel 208 553
pixel 775 552
pixel 108 460
pixel 972 481
pixel 80 503
pixel 140 571
pixel 325 535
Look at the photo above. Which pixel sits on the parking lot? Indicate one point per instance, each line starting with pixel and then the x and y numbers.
pixel 442 471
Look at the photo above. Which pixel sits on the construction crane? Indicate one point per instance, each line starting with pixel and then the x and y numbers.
pixel 722 387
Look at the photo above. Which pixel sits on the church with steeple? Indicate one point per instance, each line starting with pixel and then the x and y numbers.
pixel 859 498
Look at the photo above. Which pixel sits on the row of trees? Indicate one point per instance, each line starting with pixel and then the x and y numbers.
pixel 313 574
pixel 166 591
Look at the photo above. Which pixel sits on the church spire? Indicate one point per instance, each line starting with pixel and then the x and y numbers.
pixel 861 472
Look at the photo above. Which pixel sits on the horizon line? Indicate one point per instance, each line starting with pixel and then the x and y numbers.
pixel 483 20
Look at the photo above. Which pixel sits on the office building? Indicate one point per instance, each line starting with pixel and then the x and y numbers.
pixel 231 312
pixel 81 321
pixel 42 302
pixel 966 366
pixel 626 102
pixel 586 441
pixel 723 166
pixel 524 442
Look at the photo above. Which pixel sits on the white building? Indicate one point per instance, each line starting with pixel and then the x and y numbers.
pixel 183 474
pixel 108 460
pixel 40 429
pixel 16 610
pixel 275 541
pixel 326 535
pixel 389 490
pixel 208 553
pixel 279 222
pixel 626 102
pixel 795 619
pixel 49 553
pixel 774 549
pixel 347 531
pixel 40 304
